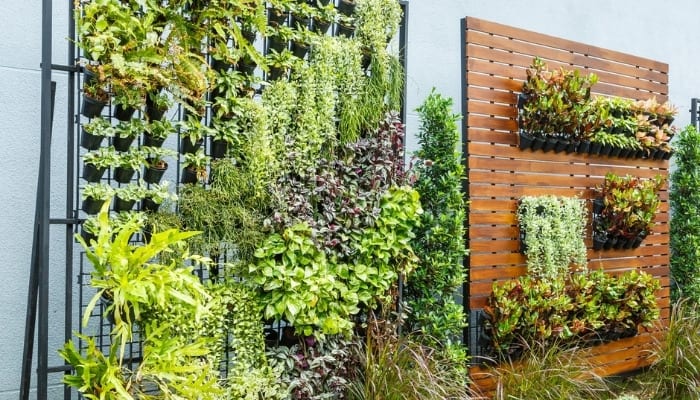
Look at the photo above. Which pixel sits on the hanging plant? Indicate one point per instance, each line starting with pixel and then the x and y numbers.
pixel 552 234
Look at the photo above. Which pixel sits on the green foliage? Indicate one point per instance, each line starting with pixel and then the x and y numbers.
pixel 685 218
pixel 300 284
pixel 166 301
pixel 549 373
pixel 314 368
pixel 675 373
pixel 439 242
pixel 557 102
pixel 631 204
pixel 405 367
pixel 553 230
pixel 588 307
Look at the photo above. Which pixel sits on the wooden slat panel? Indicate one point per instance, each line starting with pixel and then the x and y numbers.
pixel 499 173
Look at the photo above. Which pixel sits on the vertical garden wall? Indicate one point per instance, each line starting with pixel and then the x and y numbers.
pixel 500 173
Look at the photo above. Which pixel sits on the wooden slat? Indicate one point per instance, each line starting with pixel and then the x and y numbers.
pixel 499 173
pixel 621 60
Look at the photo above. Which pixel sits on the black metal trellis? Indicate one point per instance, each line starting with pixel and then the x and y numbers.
pixel 37 311
pixel 695 112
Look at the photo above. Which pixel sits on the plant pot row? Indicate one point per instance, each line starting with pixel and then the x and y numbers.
pixel 92 206
pixel 151 174
pixel 92 108
pixel 604 241
pixel 557 145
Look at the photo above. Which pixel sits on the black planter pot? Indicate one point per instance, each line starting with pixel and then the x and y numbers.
pixel 188 175
pixel 147 204
pixel 123 114
pixel 276 17
pixel 92 206
pixel 584 147
pixel 91 108
pixel 346 7
pixel 92 173
pixel 149 140
pixel 620 243
pixel 300 22
pixel 652 153
pixel 320 26
pixel 249 35
pixel 345 30
pixel 638 240
pixel 187 147
pixel 89 141
pixel 87 236
pixel 598 205
pixel 154 113
pixel 123 205
pixel 219 148
pixel 277 44
pixel 610 243
pixel 614 151
pixel 276 73
pixel 537 143
pixel 300 49
pixel 667 155
pixel 123 175
pixel 122 143
pixel 629 243
pixel 246 67
pixel 572 147
pixel 623 153
pixel 594 148
pixel 219 65
pixel 549 144
pixel 153 174
pixel 659 155
pixel 640 153
pixel 561 145
pixel 525 141
pixel 599 242
pixel 605 150
pixel 89 76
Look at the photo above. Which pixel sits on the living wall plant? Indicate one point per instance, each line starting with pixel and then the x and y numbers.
pixel 439 243
pixel 552 233
pixel 685 225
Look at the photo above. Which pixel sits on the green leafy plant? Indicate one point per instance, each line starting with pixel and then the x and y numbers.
pixel 586 308
pixel 197 162
pixel 553 231
pixel 557 102
pixel 129 129
pixel 98 191
pixel 159 297
pixel 132 159
pixel 160 129
pixel 132 191
pixel 685 227
pixel 104 157
pixel 160 192
pixel 99 127
pixel 439 243
pixel 631 204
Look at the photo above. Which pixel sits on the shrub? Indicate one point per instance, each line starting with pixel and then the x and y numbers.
pixel 685 219
pixel 439 242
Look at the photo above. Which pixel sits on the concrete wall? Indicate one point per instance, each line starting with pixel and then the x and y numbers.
pixel 640 27
pixel 644 28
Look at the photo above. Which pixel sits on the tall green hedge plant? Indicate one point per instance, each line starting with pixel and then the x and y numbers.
pixel 685 216
pixel 439 242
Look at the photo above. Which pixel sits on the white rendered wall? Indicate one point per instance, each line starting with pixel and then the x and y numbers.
pixel 664 32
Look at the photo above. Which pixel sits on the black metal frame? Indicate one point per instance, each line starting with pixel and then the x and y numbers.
pixel 37 311
pixel 695 112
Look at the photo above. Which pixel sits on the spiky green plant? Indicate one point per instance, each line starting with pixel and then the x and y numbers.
pixel 549 373
pixel 675 373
